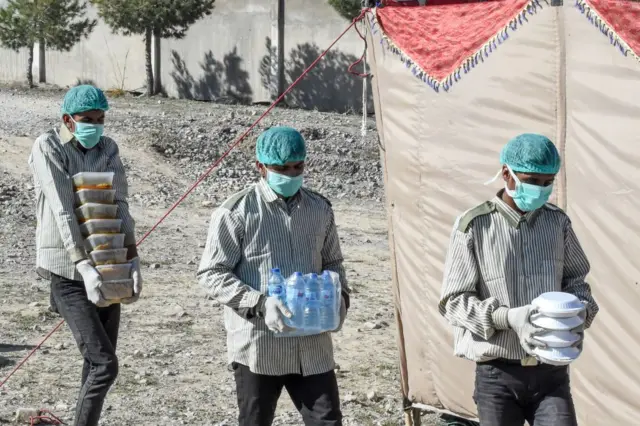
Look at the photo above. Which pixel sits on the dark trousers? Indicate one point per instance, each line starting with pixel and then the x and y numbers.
pixel 316 397
pixel 508 394
pixel 96 332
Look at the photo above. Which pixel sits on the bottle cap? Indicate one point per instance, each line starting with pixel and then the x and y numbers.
pixel 276 270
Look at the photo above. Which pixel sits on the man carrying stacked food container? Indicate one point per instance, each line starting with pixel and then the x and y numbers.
pixel 515 292
pixel 275 224
pixel 85 238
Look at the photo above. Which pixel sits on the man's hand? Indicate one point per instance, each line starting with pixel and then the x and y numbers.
pixel 273 311
pixel 136 275
pixel 520 322
pixel 92 282
pixel 343 314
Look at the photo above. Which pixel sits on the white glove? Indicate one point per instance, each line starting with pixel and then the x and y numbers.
pixel 273 311
pixel 137 281
pixel 343 314
pixel 520 322
pixel 92 282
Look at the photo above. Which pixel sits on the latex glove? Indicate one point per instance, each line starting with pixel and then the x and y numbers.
pixel 136 275
pixel 520 322
pixel 92 282
pixel 343 314
pixel 273 311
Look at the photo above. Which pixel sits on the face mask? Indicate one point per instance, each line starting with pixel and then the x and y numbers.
pixel 284 185
pixel 88 135
pixel 528 197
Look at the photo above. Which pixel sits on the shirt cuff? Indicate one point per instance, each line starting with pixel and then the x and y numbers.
pixel 77 254
pixel 500 318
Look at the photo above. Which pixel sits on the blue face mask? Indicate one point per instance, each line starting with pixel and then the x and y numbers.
pixel 528 197
pixel 284 185
pixel 88 135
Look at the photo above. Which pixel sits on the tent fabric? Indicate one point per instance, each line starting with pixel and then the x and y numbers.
pixel 560 76
pixel 617 19
pixel 440 42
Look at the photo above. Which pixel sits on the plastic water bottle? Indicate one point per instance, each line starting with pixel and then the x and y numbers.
pixel 312 304
pixel 328 303
pixel 295 300
pixel 276 285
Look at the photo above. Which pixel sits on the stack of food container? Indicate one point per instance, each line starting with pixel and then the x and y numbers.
pixel 96 212
pixel 558 314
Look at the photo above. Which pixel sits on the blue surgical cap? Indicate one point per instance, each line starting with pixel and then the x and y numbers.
pixel 531 153
pixel 84 98
pixel 278 146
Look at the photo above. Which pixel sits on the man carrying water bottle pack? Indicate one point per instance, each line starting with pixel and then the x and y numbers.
pixel 275 223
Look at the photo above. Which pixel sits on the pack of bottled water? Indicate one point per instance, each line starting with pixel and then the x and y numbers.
pixel 314 300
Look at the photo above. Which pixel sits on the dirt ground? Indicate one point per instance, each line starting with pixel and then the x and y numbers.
pixel 172 342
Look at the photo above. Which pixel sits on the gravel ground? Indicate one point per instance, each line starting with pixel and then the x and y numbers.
pixel 172 350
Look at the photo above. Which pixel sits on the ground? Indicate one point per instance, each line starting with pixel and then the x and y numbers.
pixel 172 345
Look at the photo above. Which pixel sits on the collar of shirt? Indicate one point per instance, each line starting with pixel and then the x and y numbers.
pixel 513 217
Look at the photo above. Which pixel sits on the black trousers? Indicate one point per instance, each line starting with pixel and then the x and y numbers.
pixel 507 394
pixel 316 397
pixel 96 332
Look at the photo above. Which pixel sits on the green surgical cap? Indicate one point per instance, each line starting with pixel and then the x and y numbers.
pixel 84 98
pixel 531 153
pixel 278 146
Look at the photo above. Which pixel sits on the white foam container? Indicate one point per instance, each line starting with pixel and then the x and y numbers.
pixel 93 180
pixel 115 272
pixel 558 305
pixel 557 356
pixel 556 324
pixel 104 242
pixel 101 226
pixel 558 339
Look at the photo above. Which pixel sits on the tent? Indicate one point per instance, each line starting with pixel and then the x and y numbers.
pixel 453 81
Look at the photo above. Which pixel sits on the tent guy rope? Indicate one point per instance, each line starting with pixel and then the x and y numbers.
pixel 211 169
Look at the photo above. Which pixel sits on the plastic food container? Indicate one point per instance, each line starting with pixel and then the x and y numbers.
pixel 115 272
pixel 557 356
pixel 557 324
pixel 98 196
pixel 104 242
pixel 558 305
pixel 93 180
pixel 109 257
pixel 558 339
pixel 90 211
pixel 116 290
pixel 101 226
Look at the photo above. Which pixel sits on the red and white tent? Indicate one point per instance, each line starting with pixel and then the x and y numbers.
pixel 453 81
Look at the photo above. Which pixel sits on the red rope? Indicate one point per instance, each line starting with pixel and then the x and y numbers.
pixel 45 417
pixel 364 54
pixel 209 171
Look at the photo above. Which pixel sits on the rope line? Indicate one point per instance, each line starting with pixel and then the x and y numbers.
pixel 211 169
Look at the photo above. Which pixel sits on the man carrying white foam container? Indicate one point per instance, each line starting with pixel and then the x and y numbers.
pixel 274 224
pixel 78 292
pixel 504 254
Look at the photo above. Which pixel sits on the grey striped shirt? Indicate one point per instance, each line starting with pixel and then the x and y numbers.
pixel 251 233
pixel 55 158
pixel 499 259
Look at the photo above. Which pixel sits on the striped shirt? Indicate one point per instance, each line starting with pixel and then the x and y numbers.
pixel 251 233
pixel 499 259
pixel 54 159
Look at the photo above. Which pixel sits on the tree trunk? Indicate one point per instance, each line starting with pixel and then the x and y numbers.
pixel 157 71
pixel 42 64
pixel 30 67
pixel 148 37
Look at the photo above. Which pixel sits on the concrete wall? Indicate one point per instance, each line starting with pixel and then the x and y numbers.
pixel 225 55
